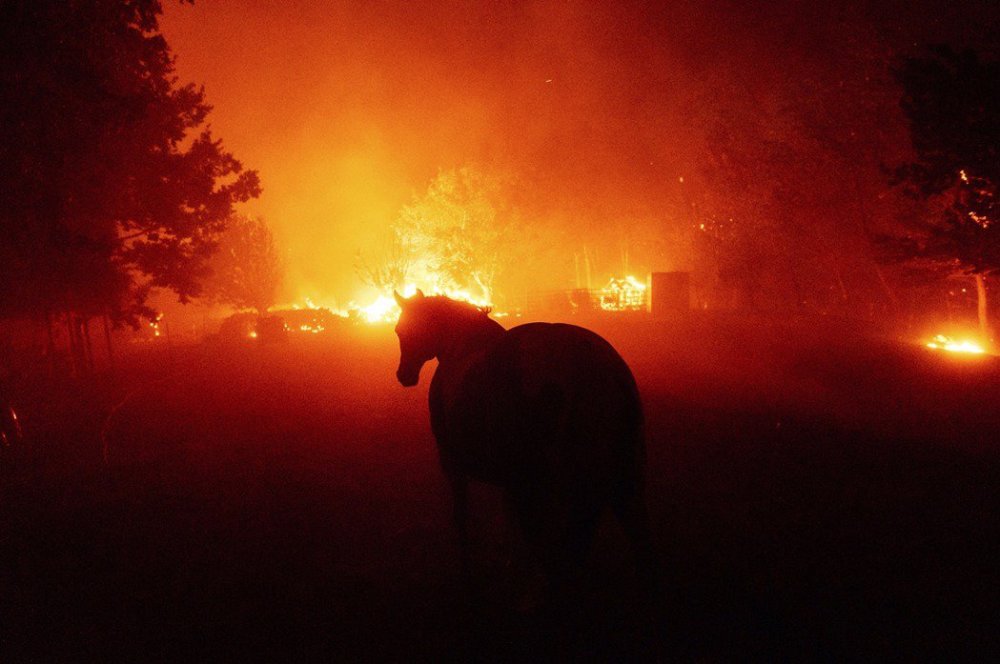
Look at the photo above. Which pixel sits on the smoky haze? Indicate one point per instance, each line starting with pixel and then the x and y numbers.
pixel 349 109
pixel 205 442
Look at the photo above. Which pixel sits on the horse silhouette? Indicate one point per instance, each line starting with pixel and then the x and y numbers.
pixel 548 412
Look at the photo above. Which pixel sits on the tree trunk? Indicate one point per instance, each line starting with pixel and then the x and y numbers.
pixel 982 307
pixel 74 346
pixel 107 340
pixel 87 346
pixel 840 284
pixel 885 286
pixel 50 344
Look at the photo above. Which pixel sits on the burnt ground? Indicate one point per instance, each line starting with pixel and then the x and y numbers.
pixel 816 493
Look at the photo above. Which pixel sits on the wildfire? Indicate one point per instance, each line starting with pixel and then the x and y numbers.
pixel 942 342
pixel 628 294
pixel 385 310
pixel 155 324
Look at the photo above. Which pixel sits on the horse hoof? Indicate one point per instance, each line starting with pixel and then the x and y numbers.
pixel 533 595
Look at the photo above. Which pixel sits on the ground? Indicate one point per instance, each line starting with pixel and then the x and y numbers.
pixel 816 490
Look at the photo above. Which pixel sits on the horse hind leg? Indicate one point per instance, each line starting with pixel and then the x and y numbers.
pixel 459 485
pixel 629 507
pixel 559 534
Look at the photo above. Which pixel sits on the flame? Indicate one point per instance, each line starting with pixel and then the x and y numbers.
pixel 942 342
pixel 385 310
pixel 623 294
pixel 155 324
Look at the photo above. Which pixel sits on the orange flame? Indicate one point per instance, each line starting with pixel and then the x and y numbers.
pixel 942 342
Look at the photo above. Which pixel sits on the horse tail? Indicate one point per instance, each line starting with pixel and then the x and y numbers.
pixel 628 500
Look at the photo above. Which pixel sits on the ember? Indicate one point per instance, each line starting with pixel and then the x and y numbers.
pixel 155 324
pixel 942 342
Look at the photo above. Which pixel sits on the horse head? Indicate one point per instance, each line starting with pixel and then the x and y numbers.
pixel 417 337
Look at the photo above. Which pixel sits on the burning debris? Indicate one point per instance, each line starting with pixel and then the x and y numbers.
pixel 628 294
pixel 946 343
pixel 385 310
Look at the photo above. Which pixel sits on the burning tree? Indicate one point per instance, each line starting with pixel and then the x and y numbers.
pixel 104 192
pixel 952 104
pixel 387 269
pixel 459 232
pixel 247 269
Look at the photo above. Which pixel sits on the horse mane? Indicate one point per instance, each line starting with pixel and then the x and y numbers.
pixel 442 304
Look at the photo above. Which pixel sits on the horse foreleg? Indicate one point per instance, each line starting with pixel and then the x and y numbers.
pixel 459 485
pixel 630 510
pixel 663 613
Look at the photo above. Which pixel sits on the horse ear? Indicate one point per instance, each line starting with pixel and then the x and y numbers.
pixel 400 300
pixel 419 294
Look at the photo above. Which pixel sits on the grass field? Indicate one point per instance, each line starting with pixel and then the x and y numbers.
pixel 816 492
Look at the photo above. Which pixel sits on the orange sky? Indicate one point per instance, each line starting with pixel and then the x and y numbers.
pixel 347 109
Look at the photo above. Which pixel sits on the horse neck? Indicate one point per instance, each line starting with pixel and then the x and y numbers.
pixel 465 337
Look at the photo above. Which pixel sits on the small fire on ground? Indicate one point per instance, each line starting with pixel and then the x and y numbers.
pixel 384 309
pixel 619 295
pixel 946 343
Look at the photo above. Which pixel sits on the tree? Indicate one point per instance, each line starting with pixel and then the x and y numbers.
pixel 110 184
pixel 389 266
pixel 460 233
pixel 952 105
pixel 788 185
pixel 247 269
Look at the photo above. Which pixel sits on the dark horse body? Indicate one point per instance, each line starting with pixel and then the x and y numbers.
pixel 548 412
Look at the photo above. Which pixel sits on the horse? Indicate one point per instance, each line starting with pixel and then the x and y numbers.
pixel 548 412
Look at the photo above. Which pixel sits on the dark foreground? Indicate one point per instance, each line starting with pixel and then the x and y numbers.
pixel 812 496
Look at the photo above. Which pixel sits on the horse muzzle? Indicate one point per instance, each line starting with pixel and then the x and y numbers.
pixel 408 377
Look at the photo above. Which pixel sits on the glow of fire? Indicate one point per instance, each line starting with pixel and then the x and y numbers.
pixel 941 342
pixel 385 310
pixel 155 324
pixel 623 294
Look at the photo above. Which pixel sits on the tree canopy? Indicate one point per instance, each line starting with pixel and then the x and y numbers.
pixel 788 183
pixel 460 234
pixel 247 269
pixel 952 105
pixel 110 182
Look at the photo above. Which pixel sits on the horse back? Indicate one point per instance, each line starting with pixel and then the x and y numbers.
pixel 546 399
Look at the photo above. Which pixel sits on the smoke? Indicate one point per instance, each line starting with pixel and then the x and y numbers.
pixel 350 109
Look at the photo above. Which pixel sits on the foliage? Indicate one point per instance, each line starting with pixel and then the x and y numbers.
pixel 110 184
pixel 389 266
pixel 789 182
pixel 952 105
pixel 461 231
pixel 247 269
